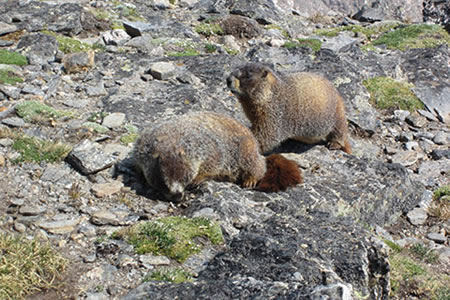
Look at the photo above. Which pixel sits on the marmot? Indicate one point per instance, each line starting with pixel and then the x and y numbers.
pixel 189 149
pixel 300 106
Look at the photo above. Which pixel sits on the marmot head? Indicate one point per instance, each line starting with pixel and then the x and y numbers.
pixel 251 82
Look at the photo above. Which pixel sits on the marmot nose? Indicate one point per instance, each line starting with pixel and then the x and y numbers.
pixel 229 81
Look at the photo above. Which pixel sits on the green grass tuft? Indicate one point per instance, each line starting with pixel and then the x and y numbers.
pixel 27 266
pixel 67 44
pixel 175 275
pixel 171 236
pixel 208 29
pixel 387 93
pixel 32 149
pixel 414 36
pixel 8 77
pixel 12 58
pixel 313 44
pixel 210 48
pixel 32 111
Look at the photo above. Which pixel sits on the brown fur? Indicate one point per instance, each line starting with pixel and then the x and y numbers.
pixel 281 173
pixel 301 106
pixel 195 147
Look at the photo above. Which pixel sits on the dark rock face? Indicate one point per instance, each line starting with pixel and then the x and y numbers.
pixel 39 48
pixel 437 12
pixel 278 258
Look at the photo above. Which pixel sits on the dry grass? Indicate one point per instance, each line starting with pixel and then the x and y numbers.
pixel 27 266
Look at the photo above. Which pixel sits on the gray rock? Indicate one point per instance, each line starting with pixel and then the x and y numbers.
pixel 7 28
pixel 441 138
pixel 118 150
pixel 53 173
pixel 154 260
pixel 256 263
pixel 444 255
pixel 87 230
pixel 436 100
pixel 437 237
pixel 401 115
pixel 388 10
pixel 405 158
pixel 39 48
pixel 104 217
pixel 343 40
pixel 30 89
pixel 19 227
pixel 76 103
pixel 116 37
pixel 429 116
pixel 417 216
pixel 405 137
pixel 159 27
pixel 114 120
pixel 14 122
pixel 438 154
pixel 96 90
pixel 4 43
pixel 29 210
pixel 107 189
pixel 88 158
pixel 162 70
pixel 412 146
pixel 416 121
pixel 434 170
pixel 408 241
pixel 59 227
pixel 90 258
pixel 10 91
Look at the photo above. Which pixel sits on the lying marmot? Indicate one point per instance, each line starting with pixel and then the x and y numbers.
pixel 300 106
pixel 194 147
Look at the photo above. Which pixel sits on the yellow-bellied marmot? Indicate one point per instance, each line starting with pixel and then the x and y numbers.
pixel 300 106
pixel 194 147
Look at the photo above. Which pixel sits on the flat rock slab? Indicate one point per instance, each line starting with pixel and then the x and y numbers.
pixel 107 189
pixel 59 227
pixel 88 158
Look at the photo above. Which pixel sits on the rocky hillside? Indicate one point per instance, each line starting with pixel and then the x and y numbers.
pixel 79 80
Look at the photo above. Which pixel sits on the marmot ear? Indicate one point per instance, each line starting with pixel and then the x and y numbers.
pixel 265 73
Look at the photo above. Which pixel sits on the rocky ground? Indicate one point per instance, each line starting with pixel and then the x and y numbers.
pixel 142 61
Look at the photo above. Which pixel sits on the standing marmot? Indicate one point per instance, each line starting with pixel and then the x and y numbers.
pixel 194 147
pixel 300 106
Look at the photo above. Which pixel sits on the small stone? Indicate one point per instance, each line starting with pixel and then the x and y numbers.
pixel 417 216
pixel 401 115
pixel 29 210
pixel 424 135
pixel 405 137
pixel 154 260
pixel 90 258
pixel 88 230
pixel 89 158
pixel 412 145
pixel 444 255
pixel 14 122
pixel 119 150
pixel 390 150
pixel 10 91
pixel 416 121
pixel 429 116
pixel 441 138
pixel 19 227
pixel 96 90
pixel 407 241
pixel 6 142
pixel 104 217
pixel 437 237
pixel 107 189
pixel 114 120
pixel 438 154
pixel 405 158
pixel 59 227
pixel 162 70
pixel 116 37
pixel 16 201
